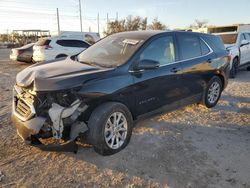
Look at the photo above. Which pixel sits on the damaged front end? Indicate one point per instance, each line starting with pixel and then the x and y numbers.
pixel 42 115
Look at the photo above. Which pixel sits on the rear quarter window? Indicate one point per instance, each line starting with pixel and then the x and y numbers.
pixel 204 48
pixel 215 42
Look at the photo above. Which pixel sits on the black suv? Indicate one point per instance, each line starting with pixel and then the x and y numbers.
pixel 99 93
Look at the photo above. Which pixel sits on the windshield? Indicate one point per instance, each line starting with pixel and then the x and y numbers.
pixel 229 38
pixel 111 51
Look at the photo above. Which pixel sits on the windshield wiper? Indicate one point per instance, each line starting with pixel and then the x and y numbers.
pixel 94 64
pixel 87 63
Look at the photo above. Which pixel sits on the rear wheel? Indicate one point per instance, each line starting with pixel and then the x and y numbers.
pixel 234 68
pixel 212 92
pixel 110 128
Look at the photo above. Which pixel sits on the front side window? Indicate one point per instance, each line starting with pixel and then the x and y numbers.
pixel 189 46
pixel 82 44
pixel 160 50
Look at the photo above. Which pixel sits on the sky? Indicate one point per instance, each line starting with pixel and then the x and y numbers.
pixel 41 14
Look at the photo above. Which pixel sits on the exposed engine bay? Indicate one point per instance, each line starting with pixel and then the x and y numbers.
pixel 49 115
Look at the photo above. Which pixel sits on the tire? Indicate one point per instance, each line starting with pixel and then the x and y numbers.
pixel 234 68
pixel 212 96
pixel 101 134
pixel 60 56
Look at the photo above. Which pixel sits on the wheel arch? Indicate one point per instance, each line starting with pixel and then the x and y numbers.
pixel 222 79
pixel 93 105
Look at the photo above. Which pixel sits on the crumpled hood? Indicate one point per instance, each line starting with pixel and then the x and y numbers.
pixel 57 75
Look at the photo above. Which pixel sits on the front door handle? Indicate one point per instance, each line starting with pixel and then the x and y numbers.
pixel 209 60
pixel 174 70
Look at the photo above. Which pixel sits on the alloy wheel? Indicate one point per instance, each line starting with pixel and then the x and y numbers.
pixel 116 129
pixel 213 92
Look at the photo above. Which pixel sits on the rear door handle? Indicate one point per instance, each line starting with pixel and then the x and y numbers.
pixel 174 70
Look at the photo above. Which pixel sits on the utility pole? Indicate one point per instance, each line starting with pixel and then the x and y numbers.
pixel 98 23
pixel 80 10
pixel 58 21
pixel 116 16
pixel 7 35
pixel 107 20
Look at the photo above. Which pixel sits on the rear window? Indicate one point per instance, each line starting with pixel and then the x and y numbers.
pixel 73 43
pixel 229 38
pixel 43 42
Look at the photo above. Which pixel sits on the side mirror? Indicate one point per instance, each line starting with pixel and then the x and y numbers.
pixel 147 64
pixel 244 42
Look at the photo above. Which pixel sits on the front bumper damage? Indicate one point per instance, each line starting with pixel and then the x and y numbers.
pixel 29 129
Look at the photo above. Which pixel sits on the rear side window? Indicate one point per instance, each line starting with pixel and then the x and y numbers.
pixel 43 42
pixel 72 43
pixel 189 46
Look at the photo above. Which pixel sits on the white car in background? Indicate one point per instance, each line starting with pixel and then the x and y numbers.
pixel 238 45
pixel 67 43
pixel 52 48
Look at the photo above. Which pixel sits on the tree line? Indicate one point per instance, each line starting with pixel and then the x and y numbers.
pixel 133 24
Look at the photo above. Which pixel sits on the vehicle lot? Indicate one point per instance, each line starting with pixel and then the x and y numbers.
pixel 190 147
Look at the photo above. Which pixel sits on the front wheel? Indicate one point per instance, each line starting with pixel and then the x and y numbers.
pixel 213 92
pixel 110 128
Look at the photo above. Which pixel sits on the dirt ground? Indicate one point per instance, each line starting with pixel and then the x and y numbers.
pixel 190 147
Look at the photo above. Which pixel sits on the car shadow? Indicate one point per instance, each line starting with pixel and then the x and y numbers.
pixel 168 153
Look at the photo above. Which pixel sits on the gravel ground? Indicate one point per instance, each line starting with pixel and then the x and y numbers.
pixel 190 147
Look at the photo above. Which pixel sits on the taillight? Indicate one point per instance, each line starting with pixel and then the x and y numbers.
pixel 47 47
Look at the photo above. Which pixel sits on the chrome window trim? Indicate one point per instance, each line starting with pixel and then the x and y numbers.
pixel 180 61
